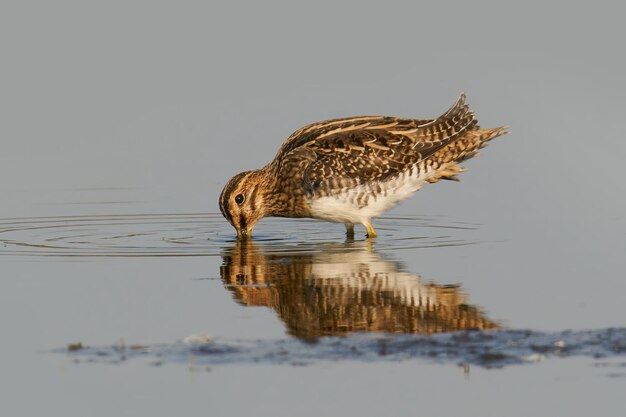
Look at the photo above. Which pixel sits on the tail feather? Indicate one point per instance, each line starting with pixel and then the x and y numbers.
pixel 487 134
pixel 468 145
pixel 457 120
pixel 464 148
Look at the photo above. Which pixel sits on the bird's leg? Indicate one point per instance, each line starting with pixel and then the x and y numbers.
pixel 349 231
pixel 371 233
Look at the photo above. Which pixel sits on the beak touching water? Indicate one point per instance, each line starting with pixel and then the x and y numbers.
pixel 241 203
pixel 242 234
pixel 244 228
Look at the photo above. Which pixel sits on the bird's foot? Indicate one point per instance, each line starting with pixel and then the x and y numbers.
pixel 371 233
pixel 349 231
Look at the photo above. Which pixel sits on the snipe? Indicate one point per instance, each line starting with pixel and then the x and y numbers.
pixel 353 169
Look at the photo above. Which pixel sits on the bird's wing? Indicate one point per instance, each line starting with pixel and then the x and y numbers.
pixel 346 152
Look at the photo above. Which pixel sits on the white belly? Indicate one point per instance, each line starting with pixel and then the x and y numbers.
pixel 362 203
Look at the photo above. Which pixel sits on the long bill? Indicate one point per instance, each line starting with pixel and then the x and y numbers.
pixel 243 233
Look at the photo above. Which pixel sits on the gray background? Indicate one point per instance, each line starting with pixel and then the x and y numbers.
pixel 149 107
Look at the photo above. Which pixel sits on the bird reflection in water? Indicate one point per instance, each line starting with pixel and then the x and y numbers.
pixel 342 288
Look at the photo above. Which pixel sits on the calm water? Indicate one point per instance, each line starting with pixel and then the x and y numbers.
pixel 501 295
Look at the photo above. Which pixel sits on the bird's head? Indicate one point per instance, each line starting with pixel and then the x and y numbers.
pixel 241 202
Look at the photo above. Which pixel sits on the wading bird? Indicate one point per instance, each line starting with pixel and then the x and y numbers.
pixel 353 169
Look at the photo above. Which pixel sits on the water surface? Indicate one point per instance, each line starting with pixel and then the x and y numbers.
pixel 327 294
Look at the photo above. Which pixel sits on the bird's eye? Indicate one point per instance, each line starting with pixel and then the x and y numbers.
pixel 239 199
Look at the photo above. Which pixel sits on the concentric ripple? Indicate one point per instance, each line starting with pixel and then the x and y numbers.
pixel 204 234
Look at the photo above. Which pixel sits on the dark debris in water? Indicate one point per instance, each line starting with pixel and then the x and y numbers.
pixel 490 349
pixel 71 347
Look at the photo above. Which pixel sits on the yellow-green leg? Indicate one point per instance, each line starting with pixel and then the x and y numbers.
pixel 371 233
pixel 349 231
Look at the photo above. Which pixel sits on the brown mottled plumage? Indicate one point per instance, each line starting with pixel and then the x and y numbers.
pixel 353 169
pixel 340 289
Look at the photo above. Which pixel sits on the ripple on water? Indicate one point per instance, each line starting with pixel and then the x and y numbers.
pixel 205 234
